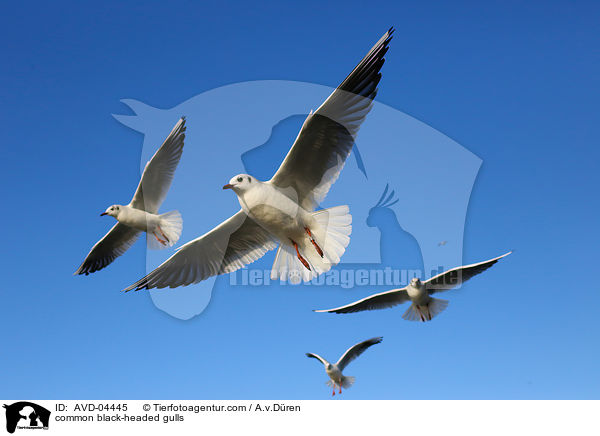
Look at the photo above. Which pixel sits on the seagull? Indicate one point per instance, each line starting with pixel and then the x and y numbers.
pixel 141 214
pixel 281 212
pixel 423 307
pixel 334 370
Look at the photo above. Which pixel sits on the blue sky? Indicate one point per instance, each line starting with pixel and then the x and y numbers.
pixel 516 85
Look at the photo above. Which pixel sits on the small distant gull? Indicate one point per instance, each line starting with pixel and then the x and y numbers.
pixel 281 212
pixel 441 244
pixel 423 307
pixel 334 370
pixel 141 214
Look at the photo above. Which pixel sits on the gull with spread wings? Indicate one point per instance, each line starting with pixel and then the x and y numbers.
pixel 281 211
pixel 423 307
pixel 334 370
pixel 141 214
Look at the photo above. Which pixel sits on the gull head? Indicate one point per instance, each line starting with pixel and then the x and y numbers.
pixel 112 210
pixel 241 183
pixel 415 282
pixel 329 367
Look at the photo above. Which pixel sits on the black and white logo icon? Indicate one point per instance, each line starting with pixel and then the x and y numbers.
pixel 26 415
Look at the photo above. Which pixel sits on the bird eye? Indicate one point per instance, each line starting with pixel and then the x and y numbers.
pixel 239 179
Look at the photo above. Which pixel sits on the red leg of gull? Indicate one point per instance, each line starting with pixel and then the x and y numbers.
pixel 333 393
pixel 421 314
pixel 303 260
pixel 163 234
pixel 313 241
pixel 340 388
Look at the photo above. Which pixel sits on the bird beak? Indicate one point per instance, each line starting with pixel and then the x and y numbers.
pixel 228 186
pixel 103 213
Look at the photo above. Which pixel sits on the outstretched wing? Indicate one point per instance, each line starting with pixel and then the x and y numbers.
pixel 316 356
pixel 116 242
pixel 159 171
pixel 356 351
pixel 374 302
pixel 455 276
pixel 226 248
pixel 318 155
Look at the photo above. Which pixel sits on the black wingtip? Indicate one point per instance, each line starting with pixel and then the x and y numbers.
pixel 136 287
pixel 388 36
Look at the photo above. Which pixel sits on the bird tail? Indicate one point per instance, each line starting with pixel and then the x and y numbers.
pixel 170 226
pixel 425 313
pixel 347 381
pixel 331 232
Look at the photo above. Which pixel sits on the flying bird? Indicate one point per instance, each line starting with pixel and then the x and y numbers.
pixel 423 307
pixel 334 370
pixel 141 214
pixel 281 212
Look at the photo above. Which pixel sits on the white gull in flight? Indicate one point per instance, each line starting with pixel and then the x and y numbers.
pixel 141 214
pixel 281 211
pixel 423 307
pixel 334 370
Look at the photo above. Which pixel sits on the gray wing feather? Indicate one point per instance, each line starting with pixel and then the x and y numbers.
pixel 316 356
pixel 234 243
pixel 374 302
pixel 116 242
pixel 159 171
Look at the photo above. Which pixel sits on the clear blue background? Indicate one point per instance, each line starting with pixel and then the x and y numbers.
pixel 516 84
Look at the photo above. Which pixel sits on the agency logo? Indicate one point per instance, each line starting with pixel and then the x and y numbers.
pixel 26 415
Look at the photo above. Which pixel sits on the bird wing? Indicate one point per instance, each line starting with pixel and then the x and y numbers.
pixel 116 242
pixel 316 356
pixel 158 173
pixel 377 301
pixel 326 138
pixel 355 351
pixel 455 276
pixel 234 243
